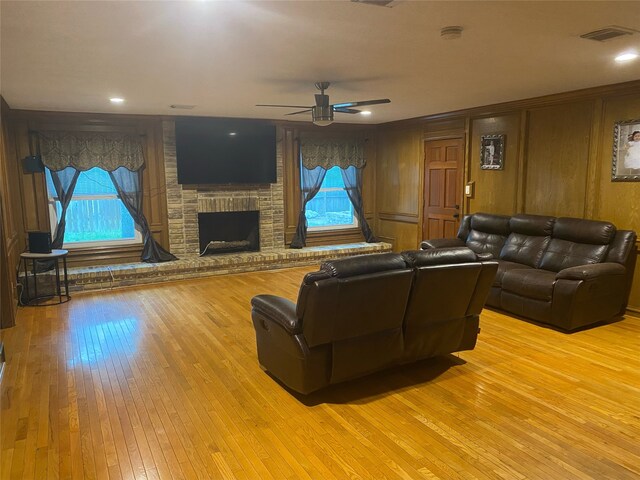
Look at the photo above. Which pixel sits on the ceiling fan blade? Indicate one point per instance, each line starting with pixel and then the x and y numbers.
pixel 301 111
pixel 286 106
pixel 346 110
pixel 359 104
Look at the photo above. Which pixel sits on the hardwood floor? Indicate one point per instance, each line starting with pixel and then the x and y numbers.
pixel 163 382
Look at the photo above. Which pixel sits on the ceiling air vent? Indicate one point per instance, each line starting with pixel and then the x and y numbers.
pixel 379 3
pixel 608 33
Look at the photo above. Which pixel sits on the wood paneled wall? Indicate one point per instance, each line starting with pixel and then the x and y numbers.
pixel 558 148
pixel 557 161
pixel 496 191
pixel 33 197
pixel 12 234
pixel 399 180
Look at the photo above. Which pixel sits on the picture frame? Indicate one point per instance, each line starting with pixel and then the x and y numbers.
pixel 492 152
pixel 625 164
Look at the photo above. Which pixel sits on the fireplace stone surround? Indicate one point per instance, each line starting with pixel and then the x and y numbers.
pixel 185 202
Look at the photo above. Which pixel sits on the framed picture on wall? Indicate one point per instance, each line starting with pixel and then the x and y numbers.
pixel 492 152
pixel 626 151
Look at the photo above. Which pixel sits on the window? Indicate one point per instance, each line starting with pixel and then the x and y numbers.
pixel 95 216
pixel 331 208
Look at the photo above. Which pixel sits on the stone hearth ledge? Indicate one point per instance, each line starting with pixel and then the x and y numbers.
pixel 193 266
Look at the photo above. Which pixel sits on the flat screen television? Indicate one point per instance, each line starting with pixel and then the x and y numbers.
pixel 225 151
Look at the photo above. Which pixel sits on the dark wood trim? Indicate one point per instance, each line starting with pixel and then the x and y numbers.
pixel 399 217
pixel 594 167
pixel 104 255
pixel 334 237
pixel 11 218
pixel 386 239
pixel 632 87
pixel 521 173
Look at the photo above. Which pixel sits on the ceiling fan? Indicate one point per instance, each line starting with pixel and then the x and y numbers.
pixel 322 111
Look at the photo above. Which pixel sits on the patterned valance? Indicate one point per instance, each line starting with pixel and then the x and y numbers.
pixel 86 150
pixel 330 152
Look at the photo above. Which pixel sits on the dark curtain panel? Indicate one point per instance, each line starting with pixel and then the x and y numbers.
pixel 129 187
pixel 311 181
pixel 352 178
pixel 64 182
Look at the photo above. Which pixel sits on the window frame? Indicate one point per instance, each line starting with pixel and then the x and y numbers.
pixel 52 198
pixel 343 226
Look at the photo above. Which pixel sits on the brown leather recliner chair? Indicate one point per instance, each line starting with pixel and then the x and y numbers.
pixel 362 314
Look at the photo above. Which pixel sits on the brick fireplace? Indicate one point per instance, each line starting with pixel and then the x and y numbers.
pixel 184 203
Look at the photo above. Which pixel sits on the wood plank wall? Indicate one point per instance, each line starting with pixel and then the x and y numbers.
pixel 557 162
pixel 11 219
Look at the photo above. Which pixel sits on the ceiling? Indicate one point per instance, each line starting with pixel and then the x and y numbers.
pixel 226 56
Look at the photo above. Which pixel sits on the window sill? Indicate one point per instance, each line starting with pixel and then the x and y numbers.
pixel 334 237
pixel 104 255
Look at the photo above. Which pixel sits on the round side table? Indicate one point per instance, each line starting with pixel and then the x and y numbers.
pixel 55 257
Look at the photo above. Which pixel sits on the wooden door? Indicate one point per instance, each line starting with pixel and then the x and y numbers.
pixel 442 187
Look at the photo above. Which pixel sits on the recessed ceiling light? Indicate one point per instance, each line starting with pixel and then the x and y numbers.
pixel 626 57
pixel 116 100
pixel 365 113
pixel 232 134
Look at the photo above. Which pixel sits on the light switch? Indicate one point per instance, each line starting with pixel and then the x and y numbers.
pixel 468 189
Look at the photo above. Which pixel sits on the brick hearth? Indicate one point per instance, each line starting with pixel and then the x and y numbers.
pixel 191 266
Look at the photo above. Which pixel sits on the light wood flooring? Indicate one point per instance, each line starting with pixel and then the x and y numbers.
pixel 163 382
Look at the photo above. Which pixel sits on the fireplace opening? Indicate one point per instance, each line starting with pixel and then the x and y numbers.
pixel 227 232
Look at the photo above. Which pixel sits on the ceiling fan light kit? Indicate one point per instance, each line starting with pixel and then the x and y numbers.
pixel 322 115
pixel 322 111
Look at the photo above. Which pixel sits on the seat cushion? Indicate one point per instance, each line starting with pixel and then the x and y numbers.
pixel 532 283
pixel 505 266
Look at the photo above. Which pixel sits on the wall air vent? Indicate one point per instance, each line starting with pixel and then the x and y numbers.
pixel 608 33
pixel 379 3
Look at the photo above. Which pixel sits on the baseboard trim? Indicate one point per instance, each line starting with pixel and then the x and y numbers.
pixel 633 311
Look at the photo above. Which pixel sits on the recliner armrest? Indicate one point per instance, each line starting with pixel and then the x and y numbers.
pixel 590 272
pixel 441 243
pixel 281 310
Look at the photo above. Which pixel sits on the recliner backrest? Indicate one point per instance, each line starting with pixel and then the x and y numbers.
pixel 445 290
pixel 484 232
pixel 357 304
pixel 577 242
pixel 528 240
pixel 443 286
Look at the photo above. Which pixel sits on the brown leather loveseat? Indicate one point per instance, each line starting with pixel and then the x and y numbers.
pixel 361 314
pixel 566 272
